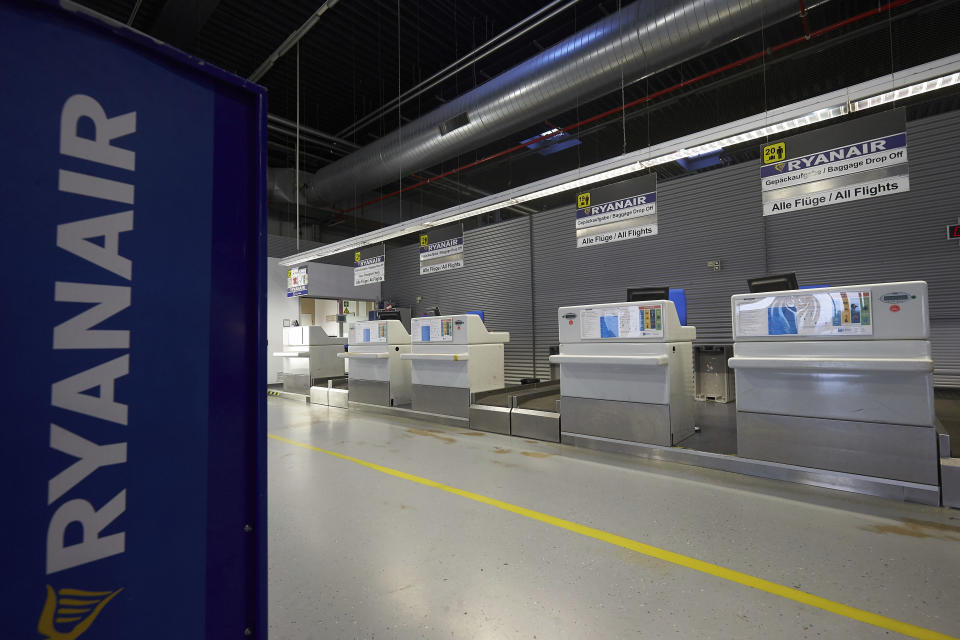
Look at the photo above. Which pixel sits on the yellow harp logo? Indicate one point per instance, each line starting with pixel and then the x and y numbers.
pixel 67 613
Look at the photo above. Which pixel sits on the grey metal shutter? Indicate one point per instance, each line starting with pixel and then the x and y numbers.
pixel 710 216
pixel 495 278
pixel 895 237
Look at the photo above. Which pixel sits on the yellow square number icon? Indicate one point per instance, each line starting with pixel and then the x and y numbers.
pixel 423 240
pixel 356 257
pixel 583 200
pixel 774 153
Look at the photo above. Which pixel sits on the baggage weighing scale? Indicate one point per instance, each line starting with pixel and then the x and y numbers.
pixel 837 378
pixel 309 355
pixel 527 411
pixel 626 373
pixel 377 374
pixel 451 358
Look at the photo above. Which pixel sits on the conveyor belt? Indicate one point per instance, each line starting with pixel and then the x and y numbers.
pixel 527 411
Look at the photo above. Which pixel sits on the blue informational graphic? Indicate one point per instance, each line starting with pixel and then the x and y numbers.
pixel 366 335
pixel 609 326
pixel 425 333
pixel 133 430
pixel 782 321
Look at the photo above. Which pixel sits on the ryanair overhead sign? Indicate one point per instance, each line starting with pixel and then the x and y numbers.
pixel 870 160
pixel 626 217
pixel 133 423
pixel 442 255
pixel 368 270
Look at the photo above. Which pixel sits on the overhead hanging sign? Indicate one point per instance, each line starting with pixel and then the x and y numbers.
pixel 296 281
pixel 443 255
pixel 135 458
pixel 368 270
pixel 625 210
pixel 865 158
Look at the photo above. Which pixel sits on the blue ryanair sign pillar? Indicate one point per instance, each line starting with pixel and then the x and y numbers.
pixel 132 268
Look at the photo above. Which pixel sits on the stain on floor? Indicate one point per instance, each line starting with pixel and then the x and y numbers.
pixel 501 450
pixel 919 529
pixel 432 434
pixel 535 454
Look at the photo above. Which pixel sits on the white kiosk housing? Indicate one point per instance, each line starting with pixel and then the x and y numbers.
pixel 377 373
pixel 837 378
pixel 452 357
pixel 309 354
pixel 626 373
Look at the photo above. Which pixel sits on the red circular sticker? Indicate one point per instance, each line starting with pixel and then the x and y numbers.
pixel 571 323
pixel 894 308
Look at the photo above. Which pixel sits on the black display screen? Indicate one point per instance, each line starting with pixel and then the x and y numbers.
pixel 953 232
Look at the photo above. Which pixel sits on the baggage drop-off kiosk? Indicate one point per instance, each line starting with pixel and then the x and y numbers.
pixel 838 378
pixel 452 357
pixel 377 373
pixel 309 355
pixel 626 373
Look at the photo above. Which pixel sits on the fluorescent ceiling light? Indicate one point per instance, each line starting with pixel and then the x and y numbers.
pixel 906 92
pixel 922 79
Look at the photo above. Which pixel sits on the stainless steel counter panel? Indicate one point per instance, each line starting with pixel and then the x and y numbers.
pixel 538 425
pixel 491 418
pixel 892 451
pixel 448 401
pixel 632 421
pixel 370 392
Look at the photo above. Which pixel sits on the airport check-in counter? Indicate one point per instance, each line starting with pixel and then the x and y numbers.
pixel 377 373
pixel 626 373
pixel 452 357
pixel 837 378
pixel 309 355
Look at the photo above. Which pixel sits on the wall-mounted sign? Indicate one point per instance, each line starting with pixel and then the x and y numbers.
pixel 855 160
pixel 368 270
pixel 443 255
pixel 622 211
pixel 953 231
pixel 296 281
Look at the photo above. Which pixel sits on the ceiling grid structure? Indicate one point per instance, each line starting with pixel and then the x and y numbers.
pixel 360 55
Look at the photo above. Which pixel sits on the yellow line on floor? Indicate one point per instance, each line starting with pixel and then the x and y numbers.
pixel 708 568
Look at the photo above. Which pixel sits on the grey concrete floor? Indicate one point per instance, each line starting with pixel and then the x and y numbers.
pixel 356 553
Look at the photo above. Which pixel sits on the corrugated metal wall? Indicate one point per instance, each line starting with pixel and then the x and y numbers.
pixel 711 216
pixel 495 278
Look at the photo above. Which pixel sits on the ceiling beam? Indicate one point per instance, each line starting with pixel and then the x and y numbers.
pixel 291 40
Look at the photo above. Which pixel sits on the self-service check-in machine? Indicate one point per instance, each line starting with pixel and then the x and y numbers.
pixel 377 373
pixel 837 378
pixel 626 373
pixel 452 357
pixel 309 355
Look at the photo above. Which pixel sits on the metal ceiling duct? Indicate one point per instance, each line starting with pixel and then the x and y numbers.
pixel 643 38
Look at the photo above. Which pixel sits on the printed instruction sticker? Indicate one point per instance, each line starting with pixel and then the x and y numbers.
pixel 633 321
pixel 369 331
pixel 829 313
pixel 432 329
